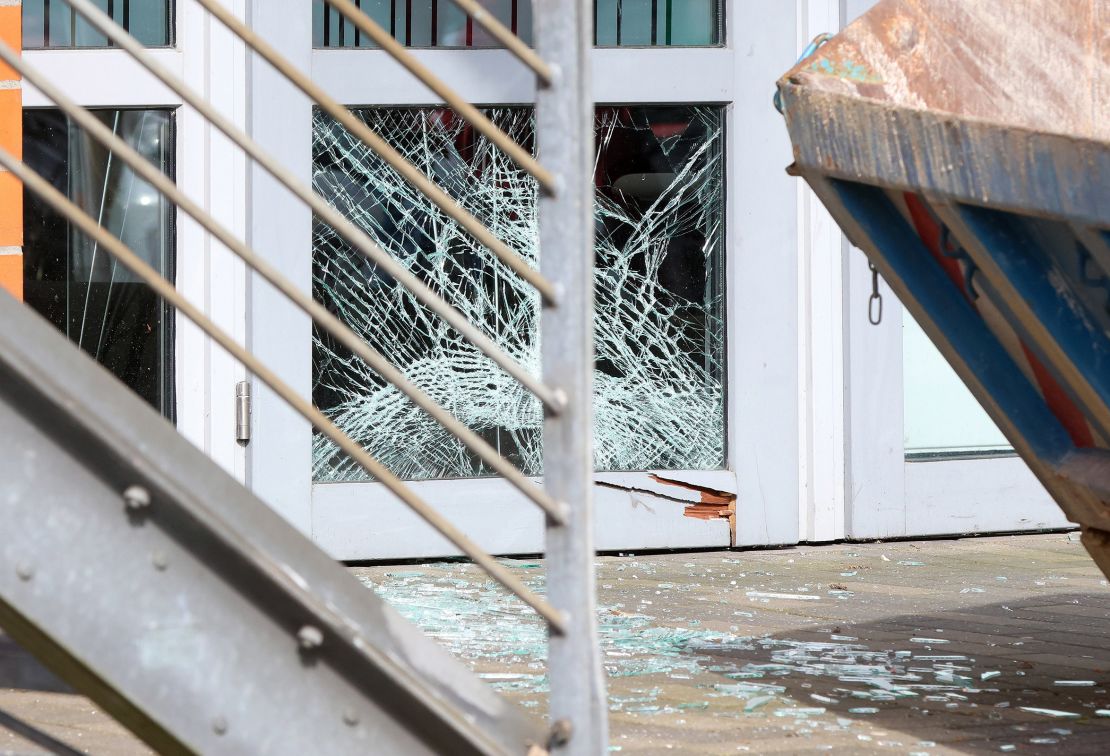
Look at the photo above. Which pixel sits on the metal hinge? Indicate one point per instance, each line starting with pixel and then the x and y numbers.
pixel 243 412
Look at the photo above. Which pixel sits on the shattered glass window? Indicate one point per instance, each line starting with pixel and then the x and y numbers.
pixel 440 23
pixel 72 281
pixel 659 374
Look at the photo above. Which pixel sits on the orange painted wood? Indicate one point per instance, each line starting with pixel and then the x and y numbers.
pixel 11 121
pixel 11 34
pixel 11 274
pixel 11 211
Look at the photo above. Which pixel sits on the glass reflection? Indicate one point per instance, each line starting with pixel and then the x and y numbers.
pixel 54 23
pixel 78 286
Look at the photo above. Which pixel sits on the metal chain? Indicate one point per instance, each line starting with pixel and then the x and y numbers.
pixel 875 303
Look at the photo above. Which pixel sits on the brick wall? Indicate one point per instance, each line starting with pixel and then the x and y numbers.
pixel 11 140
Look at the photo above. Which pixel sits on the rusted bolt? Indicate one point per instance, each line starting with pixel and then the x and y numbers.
pixel 219 725
pixel 24 571
pixel 136 498
pixel 310 637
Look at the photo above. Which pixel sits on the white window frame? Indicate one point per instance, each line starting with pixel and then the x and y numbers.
pixel 361 520
pixel 814 392
pixel 212 172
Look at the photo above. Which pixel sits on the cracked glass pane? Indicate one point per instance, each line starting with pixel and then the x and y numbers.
pixel 440 23
pixel 659 374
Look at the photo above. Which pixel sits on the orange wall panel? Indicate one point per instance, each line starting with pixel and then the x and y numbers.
pixel 11 140
pixel 11 274
pixel 11 121
pixel 11 211
pixel 11 34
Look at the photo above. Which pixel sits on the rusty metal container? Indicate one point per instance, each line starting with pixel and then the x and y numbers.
pixel 964 146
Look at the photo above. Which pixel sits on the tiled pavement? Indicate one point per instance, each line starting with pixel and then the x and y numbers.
pixel 963 646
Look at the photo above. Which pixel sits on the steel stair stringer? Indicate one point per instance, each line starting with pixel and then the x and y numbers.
pixel 153 582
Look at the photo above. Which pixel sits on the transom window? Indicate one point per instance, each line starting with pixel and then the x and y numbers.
pixel 54 23
pixel 440 23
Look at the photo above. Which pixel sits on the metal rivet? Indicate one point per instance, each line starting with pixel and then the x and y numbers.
pixel 310 637
pixel 136 498
pixel 350 718
pixel 219 725
pixel 160 561
pixel 24 571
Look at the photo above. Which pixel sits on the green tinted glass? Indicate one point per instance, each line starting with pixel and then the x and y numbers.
pixel 440 23
pixel 54 23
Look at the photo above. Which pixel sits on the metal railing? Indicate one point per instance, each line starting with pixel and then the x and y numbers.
pixel 564 281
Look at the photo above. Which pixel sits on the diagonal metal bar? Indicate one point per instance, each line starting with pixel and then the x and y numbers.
pixel 374 141
pixel 511 41
pixel 318 312
pixel 1073 348
pixel 1097 243
pixel 552 399
pixel 397 51
pixel 198 585
pixel 32 734
pixel 163 288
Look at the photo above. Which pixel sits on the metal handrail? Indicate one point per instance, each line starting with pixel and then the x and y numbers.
pixel 365 24
pixel 85 223
pixel 314 309
pixel 374 141
pixel 564 280
pixel 552 399
pixel 512 43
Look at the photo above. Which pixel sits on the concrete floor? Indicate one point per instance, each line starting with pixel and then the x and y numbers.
pixel 990 644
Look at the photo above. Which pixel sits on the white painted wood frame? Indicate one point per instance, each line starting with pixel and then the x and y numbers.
pixel 635 510
pixel 884 494
pixel 212 172
pixel 815 401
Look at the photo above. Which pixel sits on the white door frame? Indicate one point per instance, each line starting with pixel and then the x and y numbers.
pixel 635 510
pixel 814 392
pixel 211 172
pixel 886 495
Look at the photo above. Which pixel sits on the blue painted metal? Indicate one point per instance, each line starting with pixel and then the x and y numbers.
pixel 872 221
pixel 1043 302
pixel 982 194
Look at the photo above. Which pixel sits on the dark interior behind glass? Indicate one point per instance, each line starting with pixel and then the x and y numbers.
pixel 78 286
pixel 659 320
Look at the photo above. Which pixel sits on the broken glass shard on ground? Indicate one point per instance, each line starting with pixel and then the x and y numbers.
pixel 659 397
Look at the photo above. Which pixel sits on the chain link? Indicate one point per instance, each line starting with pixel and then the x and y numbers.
pixel 875 303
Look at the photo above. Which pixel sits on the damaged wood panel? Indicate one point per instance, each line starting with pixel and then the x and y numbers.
pixel 706 496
